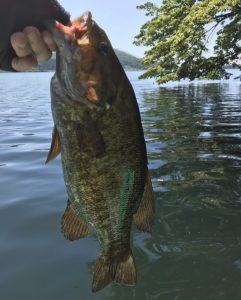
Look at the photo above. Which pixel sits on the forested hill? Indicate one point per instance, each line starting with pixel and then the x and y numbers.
pixel 128 61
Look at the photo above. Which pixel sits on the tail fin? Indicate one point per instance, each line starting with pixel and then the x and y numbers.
pixel 102 275
pixel 122 271
pixel 126 271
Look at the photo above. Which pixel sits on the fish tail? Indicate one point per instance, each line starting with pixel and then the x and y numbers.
pixel 119 270
pixel 103 273
pixel 126 271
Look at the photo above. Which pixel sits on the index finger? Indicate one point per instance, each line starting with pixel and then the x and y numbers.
pixel 37 44
pixel 20 44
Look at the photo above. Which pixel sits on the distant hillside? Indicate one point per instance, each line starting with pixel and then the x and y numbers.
pixel 128 61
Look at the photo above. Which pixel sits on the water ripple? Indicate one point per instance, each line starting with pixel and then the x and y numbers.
pixel 193 141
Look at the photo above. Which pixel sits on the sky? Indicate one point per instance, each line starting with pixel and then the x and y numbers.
pixel 120 20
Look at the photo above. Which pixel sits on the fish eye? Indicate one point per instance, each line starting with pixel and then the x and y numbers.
pixel 103 48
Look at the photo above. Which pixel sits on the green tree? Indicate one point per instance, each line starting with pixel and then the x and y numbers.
pixel 178 35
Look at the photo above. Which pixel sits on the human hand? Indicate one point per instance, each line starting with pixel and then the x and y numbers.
pixel 31 46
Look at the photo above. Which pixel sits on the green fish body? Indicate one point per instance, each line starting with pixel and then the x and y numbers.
pixel 99 134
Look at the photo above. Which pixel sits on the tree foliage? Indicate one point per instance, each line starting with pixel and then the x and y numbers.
pixel 178 35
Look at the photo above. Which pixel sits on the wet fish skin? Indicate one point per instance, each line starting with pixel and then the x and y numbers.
pixel 99 133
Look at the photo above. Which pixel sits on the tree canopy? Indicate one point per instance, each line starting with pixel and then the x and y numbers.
pixel 179 34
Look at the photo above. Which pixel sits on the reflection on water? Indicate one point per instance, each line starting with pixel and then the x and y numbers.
pixel 193 140
pixel 193 134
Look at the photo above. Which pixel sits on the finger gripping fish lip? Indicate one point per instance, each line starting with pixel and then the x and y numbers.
pixel 64 29
pixel 72 32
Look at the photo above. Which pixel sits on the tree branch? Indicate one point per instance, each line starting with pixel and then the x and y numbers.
pixel 223 17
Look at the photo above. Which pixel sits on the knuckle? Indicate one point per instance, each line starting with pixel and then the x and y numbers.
pixel 43 55
pixel 31 30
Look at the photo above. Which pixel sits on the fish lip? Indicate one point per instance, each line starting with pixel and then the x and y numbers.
pixel 69 34
pixel 87 18
pixel 62 35
pixel 65 38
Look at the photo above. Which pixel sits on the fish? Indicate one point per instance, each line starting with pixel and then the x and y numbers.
pixel 98 131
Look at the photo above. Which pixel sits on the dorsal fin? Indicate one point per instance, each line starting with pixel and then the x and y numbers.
pixel 55 146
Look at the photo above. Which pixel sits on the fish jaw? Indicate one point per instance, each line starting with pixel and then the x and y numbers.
pixel 87 69
pixel 66 36
pixel 64 40
pixel 69 56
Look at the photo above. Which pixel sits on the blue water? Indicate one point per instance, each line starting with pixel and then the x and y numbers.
pixel 193 139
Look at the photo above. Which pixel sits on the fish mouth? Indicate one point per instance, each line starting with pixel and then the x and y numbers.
pixel 67 36
pixel 69 39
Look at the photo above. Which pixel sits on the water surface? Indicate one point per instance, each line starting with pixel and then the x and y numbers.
pixel 193 139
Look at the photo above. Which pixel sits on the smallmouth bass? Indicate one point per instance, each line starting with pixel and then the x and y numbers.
pixel 99 134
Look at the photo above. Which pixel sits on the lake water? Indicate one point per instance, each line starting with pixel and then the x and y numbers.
pixel 193 139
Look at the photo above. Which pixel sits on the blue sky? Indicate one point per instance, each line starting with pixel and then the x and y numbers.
pixel 120 20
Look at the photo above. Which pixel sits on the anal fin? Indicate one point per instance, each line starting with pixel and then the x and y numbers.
pixel 72 226
pixel 144 217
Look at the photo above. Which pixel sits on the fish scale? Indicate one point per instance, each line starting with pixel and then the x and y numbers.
pixel 99 134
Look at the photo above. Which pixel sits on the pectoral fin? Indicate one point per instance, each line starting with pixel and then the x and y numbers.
pixel 55 146
pixel 144 217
